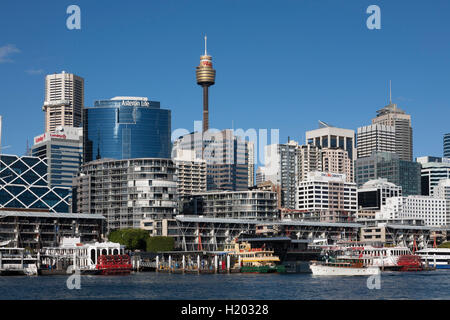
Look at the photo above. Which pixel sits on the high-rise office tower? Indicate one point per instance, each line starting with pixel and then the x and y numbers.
pixel 206 76
pixel 447 145
pixel 126 128
pixel 389 166
pixel 286 165
pixel 64 100
pixel 390 115
pixel 327 136
pixel 281 168
pixel 63 151
pixel 226 156
pixel 309 159
pixel 376 137
pixel 335 160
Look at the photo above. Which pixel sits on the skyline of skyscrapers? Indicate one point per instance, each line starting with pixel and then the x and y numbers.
pixel 130 128
pixel 135 167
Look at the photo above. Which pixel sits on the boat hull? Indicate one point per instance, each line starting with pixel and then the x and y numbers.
pixel 263 269
pixel 322 270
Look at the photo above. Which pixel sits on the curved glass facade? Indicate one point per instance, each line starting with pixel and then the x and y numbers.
pixel 126 129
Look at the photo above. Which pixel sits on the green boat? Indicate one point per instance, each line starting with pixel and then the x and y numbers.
pixel 254 260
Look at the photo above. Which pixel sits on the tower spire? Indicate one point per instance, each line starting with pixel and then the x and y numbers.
pixel 206 53
pixel 390 92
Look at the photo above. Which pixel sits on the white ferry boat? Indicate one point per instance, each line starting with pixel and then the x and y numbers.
pixel 435 257
pixel 344 267
pixel 383 257
pixel 386 258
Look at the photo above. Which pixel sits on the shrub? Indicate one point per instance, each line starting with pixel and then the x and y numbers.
pixel 156 244
pixel 132 239
pixel 445 245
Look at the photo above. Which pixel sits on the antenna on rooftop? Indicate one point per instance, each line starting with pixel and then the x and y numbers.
pixel 390 92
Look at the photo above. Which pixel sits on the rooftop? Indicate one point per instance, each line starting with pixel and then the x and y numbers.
pixel 130 98
pixel 18 213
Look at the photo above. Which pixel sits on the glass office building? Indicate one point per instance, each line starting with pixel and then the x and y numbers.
pixel 126 128
pixel 63 150
pixel 434 169
pixel 388 165
pixel 447 145
pixel 23 184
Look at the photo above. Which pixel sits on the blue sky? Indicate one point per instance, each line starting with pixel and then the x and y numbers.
pixel 280 64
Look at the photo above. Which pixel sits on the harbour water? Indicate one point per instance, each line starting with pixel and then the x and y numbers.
pixel 164 286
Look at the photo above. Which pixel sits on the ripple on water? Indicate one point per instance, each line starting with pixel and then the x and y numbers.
pixel 394 285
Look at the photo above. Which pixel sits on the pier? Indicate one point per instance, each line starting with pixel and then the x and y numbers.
pixel 197 262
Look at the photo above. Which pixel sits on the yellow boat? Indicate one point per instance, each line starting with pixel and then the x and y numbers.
pixel 254 260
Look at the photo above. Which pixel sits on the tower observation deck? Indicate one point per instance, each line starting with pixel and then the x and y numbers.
pixel 206 76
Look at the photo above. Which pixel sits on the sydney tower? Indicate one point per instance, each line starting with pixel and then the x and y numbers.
pixel 206 76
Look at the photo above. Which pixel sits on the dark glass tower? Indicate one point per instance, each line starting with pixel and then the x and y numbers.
pixel 388 165
pixel 447 145
pixel 126 128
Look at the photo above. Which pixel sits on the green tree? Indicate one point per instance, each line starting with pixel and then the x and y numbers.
pixel 158 243
pixel 132 239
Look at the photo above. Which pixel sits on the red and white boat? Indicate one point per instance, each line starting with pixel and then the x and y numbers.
pixel 399 258
pixel 88 258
